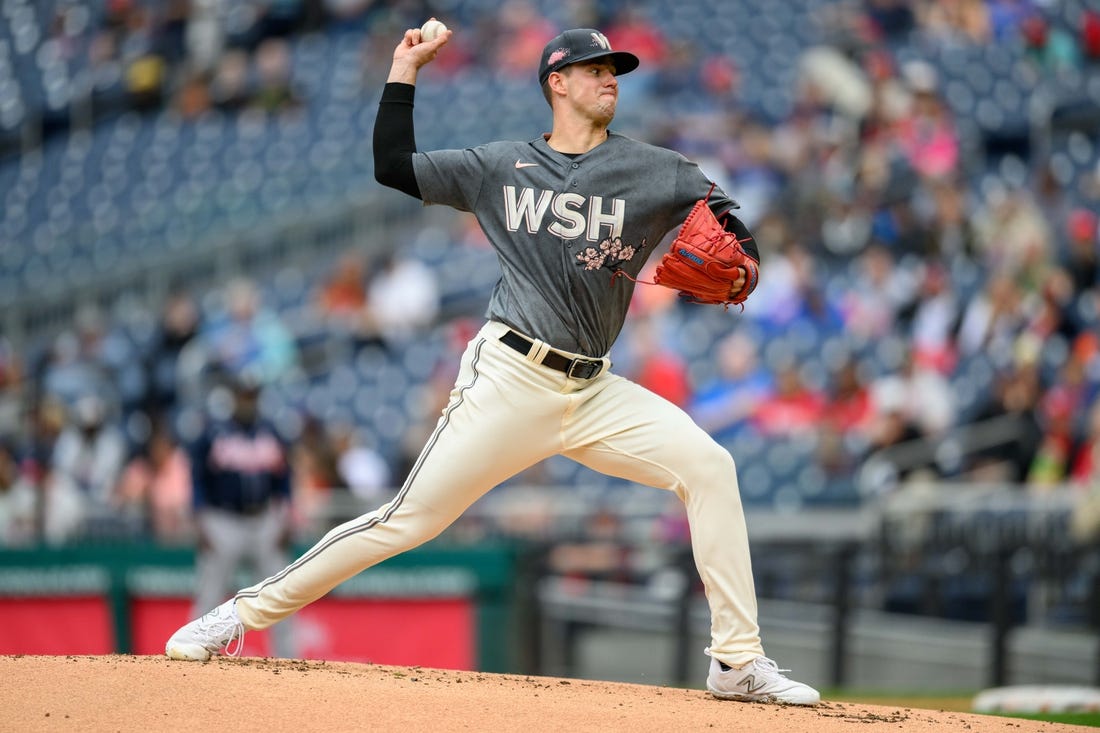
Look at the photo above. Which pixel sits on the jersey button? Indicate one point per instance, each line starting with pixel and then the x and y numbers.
pixel 572 183
pixel 576 165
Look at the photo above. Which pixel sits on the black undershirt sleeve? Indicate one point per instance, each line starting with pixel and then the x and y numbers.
pixel 748 242
pixel 394 139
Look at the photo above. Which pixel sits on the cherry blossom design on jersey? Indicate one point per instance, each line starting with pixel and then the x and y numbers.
pixel 609 254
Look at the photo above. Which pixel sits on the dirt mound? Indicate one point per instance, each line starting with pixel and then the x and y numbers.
pixel 129 693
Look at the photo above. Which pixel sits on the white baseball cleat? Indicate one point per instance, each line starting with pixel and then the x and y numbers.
pixel 206 636
pixel 761 680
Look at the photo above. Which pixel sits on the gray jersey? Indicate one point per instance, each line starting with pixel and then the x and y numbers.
pixel 563 226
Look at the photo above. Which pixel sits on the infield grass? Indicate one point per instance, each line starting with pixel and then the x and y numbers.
pixel 953 702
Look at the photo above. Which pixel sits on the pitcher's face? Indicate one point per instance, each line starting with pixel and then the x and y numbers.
pixel 593 89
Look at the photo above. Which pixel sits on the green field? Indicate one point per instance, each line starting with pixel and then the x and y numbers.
pixel 951 702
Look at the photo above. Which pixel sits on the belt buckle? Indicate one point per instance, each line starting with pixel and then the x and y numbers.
pixel 583 369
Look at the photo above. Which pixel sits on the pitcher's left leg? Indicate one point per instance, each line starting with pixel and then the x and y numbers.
pixel 629 432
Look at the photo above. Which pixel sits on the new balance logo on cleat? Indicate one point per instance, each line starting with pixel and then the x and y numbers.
pixel 751 685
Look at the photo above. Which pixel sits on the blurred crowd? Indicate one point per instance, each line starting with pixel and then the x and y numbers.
pixel 914 266
pixel 118 409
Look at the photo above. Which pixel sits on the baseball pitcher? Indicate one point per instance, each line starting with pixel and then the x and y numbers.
pixel 573 215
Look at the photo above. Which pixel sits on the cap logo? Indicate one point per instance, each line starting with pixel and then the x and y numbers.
pixel 599 39
pixel 557 56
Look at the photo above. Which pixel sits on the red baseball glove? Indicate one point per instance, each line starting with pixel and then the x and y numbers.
pixel 705 261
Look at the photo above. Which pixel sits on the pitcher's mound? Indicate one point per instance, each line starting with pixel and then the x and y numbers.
pixel 131 693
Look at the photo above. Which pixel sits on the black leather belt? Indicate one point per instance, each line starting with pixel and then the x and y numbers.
pixel 574 368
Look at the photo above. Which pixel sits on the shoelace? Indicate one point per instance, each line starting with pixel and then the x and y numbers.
pixel 218 626
pixel 769 665
pixel 238 636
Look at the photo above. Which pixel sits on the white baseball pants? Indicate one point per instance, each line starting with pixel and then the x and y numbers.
pixel 505 414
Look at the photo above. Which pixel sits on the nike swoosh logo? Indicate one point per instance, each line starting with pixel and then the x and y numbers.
pixel 521 164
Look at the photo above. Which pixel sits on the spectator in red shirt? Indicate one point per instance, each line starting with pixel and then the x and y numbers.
pixel 847 424
pixel 793 409
pixel 1090 35
pixel 849 406
pixel 525 33
pixel 657 367
pixel 1085 469
pixel 632 29
pixel 343 294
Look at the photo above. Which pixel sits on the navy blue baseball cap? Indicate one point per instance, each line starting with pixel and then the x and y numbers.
pixel 582 44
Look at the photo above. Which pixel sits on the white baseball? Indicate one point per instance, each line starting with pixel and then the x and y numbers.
pixel 432 30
